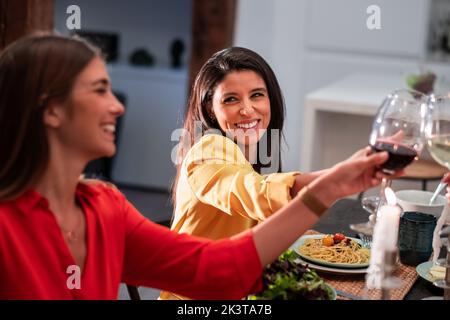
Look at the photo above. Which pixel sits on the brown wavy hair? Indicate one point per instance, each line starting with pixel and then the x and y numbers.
pixel 33 71
pixel 200 101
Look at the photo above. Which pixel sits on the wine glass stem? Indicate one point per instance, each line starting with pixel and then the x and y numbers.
pixel 385 183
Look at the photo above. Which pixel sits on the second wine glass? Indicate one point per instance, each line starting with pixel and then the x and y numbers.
pixel 437 134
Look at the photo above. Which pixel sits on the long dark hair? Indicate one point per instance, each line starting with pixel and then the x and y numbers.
pixel 200 101
pixel 33 71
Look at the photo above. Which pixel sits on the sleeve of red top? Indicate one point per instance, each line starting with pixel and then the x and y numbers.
pixel 190 266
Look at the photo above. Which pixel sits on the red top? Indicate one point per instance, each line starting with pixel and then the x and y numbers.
pixel 122 246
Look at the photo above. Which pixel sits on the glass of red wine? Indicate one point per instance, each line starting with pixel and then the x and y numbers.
pixel 398 129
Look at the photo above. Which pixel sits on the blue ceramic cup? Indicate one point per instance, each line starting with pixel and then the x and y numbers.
pixel 415 237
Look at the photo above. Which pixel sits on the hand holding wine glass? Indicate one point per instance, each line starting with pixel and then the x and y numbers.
pixel 397 129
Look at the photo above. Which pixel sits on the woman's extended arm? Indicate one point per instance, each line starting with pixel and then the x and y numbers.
pixel 230 269
pixel 351 176
pixel 304 179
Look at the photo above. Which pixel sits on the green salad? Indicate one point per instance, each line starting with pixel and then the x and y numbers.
pixel 286 280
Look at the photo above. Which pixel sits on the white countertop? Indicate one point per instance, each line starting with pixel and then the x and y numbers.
pixel 357 93
pixel 343 111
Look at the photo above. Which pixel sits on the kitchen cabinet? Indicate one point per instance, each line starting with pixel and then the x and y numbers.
pixel 341 26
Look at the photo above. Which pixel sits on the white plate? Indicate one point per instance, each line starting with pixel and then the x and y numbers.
pixel 423 270
pixel 324 263
pixel 331 269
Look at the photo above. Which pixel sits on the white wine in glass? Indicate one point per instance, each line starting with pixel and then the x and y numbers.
pixel 437 135
pixel 437 129
pixel 439 148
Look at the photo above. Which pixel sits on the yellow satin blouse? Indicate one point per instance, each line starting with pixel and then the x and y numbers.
pixel 219 194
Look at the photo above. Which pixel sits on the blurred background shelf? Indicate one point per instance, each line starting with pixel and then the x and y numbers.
pixel 156 100
pixel 154 94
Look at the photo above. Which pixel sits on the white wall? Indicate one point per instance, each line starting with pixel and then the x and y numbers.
pixel 265 26
pixel 151 24
pixel 311 43
pixel 155 97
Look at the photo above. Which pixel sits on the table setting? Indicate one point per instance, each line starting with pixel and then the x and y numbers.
pixel 395 254
pixel 405 122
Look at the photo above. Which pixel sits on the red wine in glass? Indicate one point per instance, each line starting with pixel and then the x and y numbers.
pixel 399 155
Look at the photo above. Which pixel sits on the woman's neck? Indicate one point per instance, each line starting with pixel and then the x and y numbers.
pixel 59 180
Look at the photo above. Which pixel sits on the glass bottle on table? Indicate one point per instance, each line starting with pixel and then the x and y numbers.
pixel 398 129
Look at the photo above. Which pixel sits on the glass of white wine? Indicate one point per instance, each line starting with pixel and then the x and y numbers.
pixel 437 135
pixel 437 129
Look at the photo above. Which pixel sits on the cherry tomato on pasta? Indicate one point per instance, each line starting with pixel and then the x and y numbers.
pixel 338 237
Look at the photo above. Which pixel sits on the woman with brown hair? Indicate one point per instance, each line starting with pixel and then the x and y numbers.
pixel 232 132
pixel 65 238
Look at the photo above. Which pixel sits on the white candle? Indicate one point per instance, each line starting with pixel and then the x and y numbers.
pixel 388 220
pixel 384 241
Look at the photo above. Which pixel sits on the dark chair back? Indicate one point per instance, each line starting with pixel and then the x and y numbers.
pixel 133 292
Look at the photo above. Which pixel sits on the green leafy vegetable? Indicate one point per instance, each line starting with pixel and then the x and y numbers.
pixel 423 83
pixel 285 279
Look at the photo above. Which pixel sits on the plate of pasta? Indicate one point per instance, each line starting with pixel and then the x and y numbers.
pixel 337 251
pixel 331 270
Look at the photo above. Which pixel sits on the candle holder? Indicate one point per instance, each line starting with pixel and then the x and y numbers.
pixel 389 281
pixel 380 275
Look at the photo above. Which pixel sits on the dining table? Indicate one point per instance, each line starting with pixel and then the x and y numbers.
pixel 348 211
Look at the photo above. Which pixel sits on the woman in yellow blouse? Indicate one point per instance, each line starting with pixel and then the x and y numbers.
pixel 235 113
pixel 236 107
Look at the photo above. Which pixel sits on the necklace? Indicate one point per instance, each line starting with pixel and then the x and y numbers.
pixel 72 235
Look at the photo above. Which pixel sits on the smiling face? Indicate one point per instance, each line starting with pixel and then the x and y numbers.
pixel 86 122
pixel 241 106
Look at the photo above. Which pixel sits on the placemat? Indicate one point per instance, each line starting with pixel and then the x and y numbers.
pixel 355 284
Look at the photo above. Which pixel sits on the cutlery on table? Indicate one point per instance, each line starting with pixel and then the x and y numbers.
pixel 348 295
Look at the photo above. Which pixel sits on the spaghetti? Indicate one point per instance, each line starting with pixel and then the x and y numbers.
pixel 349 252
